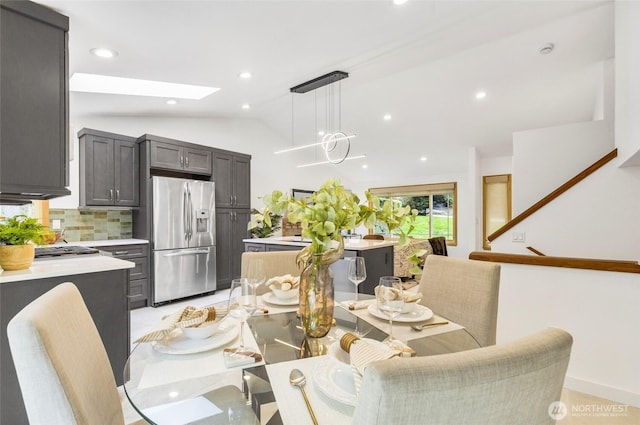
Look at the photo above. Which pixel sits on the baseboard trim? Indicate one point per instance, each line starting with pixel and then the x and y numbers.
pixel 602 391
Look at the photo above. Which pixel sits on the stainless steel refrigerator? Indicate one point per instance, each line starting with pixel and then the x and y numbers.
pixel 184 251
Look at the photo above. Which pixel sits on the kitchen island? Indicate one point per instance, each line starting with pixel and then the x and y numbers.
pixel 378 257
pixel 102 281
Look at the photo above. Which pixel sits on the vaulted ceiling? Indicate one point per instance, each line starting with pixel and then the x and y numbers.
pixel 421 62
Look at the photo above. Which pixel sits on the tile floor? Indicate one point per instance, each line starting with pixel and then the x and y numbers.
pixel 583 409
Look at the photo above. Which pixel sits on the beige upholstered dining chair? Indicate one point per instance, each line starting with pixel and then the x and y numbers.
pixel 506 384
pixel 62 366
pixel 465 292
pixel 276 263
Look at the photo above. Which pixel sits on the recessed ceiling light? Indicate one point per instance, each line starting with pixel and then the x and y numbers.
pixel 399 2
pixel 103 52
pixel 481 95
pixel 246 106
pixel 245 75
pixel 94 83
pixel 320 133
pixel 423 158
pixel 171 102
pixel 387 117
pixel 365 166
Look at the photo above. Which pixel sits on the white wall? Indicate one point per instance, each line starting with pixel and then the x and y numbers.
pixel 627 15
pixel 544 159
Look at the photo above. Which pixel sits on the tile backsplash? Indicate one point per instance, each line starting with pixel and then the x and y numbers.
pixel 93 224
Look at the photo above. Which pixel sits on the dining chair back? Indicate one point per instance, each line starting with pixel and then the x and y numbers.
pixel 276 263
pixel 439 245
pixel 465 292
pixel 62 366
pixel 506 384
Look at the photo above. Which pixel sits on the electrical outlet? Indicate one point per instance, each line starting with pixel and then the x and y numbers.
pixel 55 224
pixel 518 237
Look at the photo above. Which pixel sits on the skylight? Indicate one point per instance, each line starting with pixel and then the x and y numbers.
pixel 94 83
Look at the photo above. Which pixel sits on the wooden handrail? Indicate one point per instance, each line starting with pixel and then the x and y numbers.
pixel 553 195
pixel 623 266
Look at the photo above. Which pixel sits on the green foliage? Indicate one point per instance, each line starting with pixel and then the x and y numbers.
pixel 264 224
pixel 331 209
pixel 20 229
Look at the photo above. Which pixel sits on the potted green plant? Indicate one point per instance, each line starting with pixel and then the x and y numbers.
pixel 17 236
pixel 323 216
pixel 264 223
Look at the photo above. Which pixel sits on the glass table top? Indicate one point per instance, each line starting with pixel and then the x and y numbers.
pixel 198 388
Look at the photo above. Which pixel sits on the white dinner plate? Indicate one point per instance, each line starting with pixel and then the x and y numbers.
pixel 177 343
pixel 270 298
pixel 335 380
pixel 343 357
pixel 420 314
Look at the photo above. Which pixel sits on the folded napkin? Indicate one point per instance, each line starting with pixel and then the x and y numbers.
pixel 185 318
pixel 394 293
pixel 361 353
pixel 284 282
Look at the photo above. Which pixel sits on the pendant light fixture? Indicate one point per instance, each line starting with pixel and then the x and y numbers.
pixel 335 144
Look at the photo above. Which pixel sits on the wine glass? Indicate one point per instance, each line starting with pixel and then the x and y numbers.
pixel 357 272
pixel 256 272
pixel 242 304
pixel 390 300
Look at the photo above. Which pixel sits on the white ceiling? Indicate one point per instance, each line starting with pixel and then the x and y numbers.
pixel 421 62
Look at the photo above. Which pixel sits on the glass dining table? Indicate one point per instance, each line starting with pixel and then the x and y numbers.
pixel 170 386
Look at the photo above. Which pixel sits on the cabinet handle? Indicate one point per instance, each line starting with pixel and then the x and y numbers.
pixel 186 161
pixel 111 194
pixel 121 252
pixel 231 199
pixel 181 160
pixel 235 199
pixel 117 195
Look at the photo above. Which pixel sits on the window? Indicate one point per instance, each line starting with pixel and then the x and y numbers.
pixel 39 209
pixel 436 205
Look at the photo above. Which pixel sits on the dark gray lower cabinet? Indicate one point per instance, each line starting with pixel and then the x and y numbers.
pixel 379 262
pixel 138 285
pixel 104 294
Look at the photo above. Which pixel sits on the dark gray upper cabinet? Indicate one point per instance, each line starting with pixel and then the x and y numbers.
pixel 179 156
pixel 109 169
pixel 232 174
pixel 33 105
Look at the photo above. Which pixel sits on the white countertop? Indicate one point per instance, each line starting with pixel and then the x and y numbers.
pixel 110 242
pixel 349 244
pixel 63 266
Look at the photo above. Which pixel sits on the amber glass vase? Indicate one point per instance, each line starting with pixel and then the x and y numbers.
pixel 316 293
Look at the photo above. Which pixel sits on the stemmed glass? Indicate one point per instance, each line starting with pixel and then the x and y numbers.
pixel 357 272
pixel 390 300
pixel 255 272
pixel 242 304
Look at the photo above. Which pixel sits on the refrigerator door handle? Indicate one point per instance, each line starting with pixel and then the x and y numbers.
pixel 187 252
pixel 190 212
pixel 185 218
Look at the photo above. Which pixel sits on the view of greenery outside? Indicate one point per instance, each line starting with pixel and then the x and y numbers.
pixel 431 222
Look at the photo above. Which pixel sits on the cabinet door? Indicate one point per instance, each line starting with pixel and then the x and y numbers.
pixel 241 182
pixel 166 155
pixel 197 161
pixel 126 173
pixel 99 168
pixel 222 165
pixel 224 254
pixel 240 221
pixel 33 111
